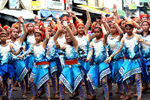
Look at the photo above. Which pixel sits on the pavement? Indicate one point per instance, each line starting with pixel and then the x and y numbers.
pixel 17 95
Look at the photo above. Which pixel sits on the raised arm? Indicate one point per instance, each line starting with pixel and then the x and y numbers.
pixel 119 30
pixel 105 34
pixel 77 19
pixel 21 21
pixel 72 26
pixel 103 20
pixel 59 27
pixel 88 21
pixel 115 11
pixel 46 39
pixel 75 42
pixel 52 22
pixel 136 25
pixel 1 29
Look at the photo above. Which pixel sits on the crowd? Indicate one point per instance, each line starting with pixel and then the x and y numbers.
pixel 100 53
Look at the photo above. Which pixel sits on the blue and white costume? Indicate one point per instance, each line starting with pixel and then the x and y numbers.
pixel 6 68
pixel 100 69
pixel 145 51
pixel 40 71
pixel 52 56
pixel 29 60
pixel 71 75
pixel 83 48
pixel 132 64
pixel 117 60
pixel 61 60
pixel 21 69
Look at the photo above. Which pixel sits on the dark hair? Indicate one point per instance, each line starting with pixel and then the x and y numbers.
pixel 146 22
pixel 129 25
pixel 3 33
pixel 98 28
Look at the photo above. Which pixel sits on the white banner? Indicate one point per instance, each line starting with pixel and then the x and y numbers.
pixel 55 4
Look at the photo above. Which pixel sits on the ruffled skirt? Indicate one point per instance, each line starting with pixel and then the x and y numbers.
pixel 71 76
pixel 21 69
pixel 130 68
pixel 40 75
pixel 97 72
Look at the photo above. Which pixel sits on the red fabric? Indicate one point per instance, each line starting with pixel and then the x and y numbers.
pixel 32 25
pixel 108 18
pixel 6 27
pixel 71 62
pixel 66 18
pixel 92 27
pixel 148 16
pixel 142 15
pixel 50 23
pixel 134 19
pixel 43 63
pixel 79 24
pixel 76 22
pixel 44 29
pixel 41 24
pixel 2 32
pixel 11 30
pixel 40 33
pixel 129 22
pixel 119 21
pixel 55 28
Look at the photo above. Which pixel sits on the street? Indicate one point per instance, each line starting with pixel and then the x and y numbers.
pixel 17 95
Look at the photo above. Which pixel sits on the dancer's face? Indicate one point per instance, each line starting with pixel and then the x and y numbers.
pixel 30 28
pixel 81 29
pixel 15 33
pixel 3 37
pixel 123 24
pixel 68 40
pixel 38 37
pixel 97 33
pixel 129 30
pixel 145 26
pixel 113 29
pixel 144 18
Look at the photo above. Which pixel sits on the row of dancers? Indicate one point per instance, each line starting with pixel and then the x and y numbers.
pixel 114 51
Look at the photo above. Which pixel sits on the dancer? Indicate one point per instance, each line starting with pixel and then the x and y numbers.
pixel 99 71
pixel 39 75
pixel 71 75
pixel 21 70
pixel 132 64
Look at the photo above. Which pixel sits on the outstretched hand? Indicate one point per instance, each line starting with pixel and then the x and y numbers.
pixel 73 15
pixel 21 57
pixel 108 60
pixel 57 15
pixel 85 60
pixel 20 19
pixel 114 8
